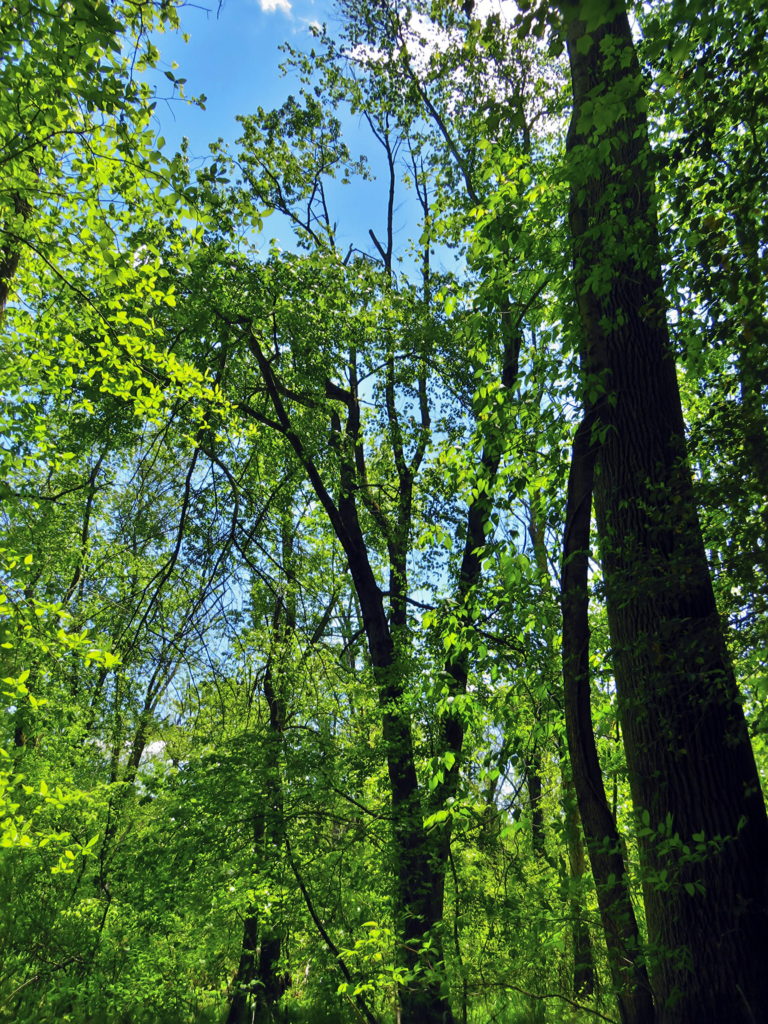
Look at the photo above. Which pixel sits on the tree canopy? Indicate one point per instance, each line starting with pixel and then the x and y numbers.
pixel 326 698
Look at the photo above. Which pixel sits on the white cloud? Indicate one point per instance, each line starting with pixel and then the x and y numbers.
pixel 275 5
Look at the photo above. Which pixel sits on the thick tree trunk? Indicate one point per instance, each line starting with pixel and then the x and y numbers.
pixel 257 985
pixel 704 843
pixel 242 984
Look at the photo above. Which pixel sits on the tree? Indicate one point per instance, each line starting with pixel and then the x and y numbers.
pixel 692 771
pixel 76 140
pixel 285 734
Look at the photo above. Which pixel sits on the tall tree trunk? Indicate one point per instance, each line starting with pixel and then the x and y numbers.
pixel 419 873
pixel 257 985
pixel 583 957
pixel 704 844
pixel 628 973
pixel 417 918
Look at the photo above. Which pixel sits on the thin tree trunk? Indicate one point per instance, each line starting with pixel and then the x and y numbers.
pixel 257 985
pixel 583 957
pixel 692 773
pixel 416 915
pixel 10 250
pixel 533 785
pixel 628 973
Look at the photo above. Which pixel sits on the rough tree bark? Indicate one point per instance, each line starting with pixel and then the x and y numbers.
pixel 704 844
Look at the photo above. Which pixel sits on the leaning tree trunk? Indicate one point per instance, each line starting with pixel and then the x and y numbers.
pixel 417 917
pixel 583 958
pixel 704 834
pixel 622 939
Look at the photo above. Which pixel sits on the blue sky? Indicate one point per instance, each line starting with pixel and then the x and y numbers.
pixel 232 57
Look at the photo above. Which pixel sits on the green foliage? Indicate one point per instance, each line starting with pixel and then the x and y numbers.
pixel 195 749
